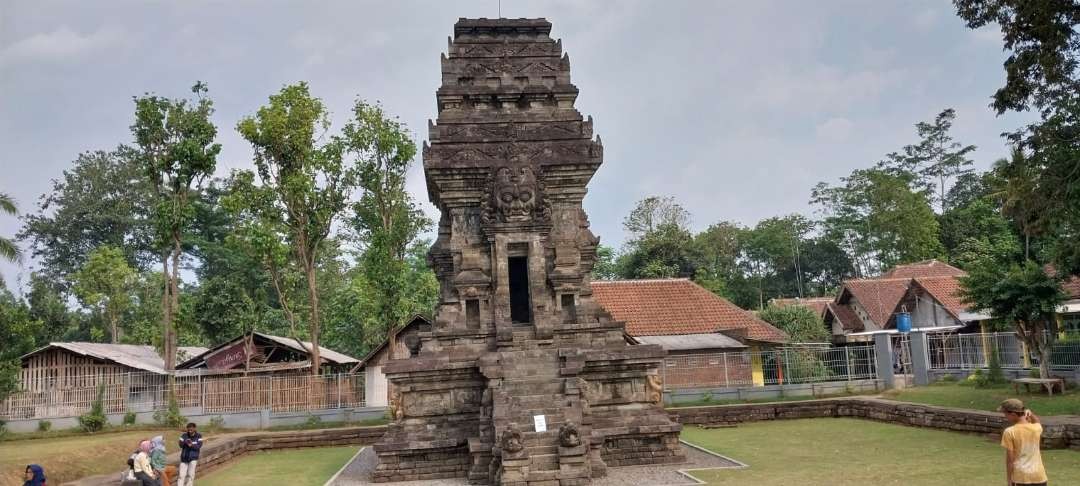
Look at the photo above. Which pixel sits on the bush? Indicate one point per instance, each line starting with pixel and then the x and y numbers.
pixel 3 427
pixel 312 422
pixel 995 375
pixel 170 417
pixel 44 425
pixel 948 379
pixel 217 422
pixel 95 420
pixel 129 418
pixel 1034 373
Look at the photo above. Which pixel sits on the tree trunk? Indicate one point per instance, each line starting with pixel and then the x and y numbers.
pixel 313 321
pixel 166 314
pixel 174 303
pixel 114 328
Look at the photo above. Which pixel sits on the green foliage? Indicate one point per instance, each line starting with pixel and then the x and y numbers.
pixel 1024 294
pixel 605 267
pixel 312 422
pixel 217 422
pixel 170 417
pixel 129 418
pixel 935 159
pixel 95 420
pixel 800 323
pixel 104 284
pixel 8 249
pixel 386 220
pixel 994 375
pixel 44 425
pixel 17 330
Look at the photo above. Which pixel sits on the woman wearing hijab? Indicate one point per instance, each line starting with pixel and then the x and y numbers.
pixel 143 471
pixel 35 476
pixel 157 459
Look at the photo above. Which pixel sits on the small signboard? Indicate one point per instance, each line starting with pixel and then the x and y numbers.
pixel 229 357
pixel 540 423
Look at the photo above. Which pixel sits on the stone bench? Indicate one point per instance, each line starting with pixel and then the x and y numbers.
pixel 1048 383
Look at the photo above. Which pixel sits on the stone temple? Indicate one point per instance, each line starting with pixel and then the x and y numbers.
pixel 523 379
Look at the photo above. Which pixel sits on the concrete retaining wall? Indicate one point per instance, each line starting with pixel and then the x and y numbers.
pixel 674 397
pixel 1071 375
pixel 260 419
pixel 1058 432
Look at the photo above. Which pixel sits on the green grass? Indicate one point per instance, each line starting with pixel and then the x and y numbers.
pixel 295 467
pixel 966 396
pixel 857 452
pixel 67 458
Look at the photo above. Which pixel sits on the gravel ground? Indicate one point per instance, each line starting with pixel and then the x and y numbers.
pixel 358 472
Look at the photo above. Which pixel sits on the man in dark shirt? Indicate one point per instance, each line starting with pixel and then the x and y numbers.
pixel 190 443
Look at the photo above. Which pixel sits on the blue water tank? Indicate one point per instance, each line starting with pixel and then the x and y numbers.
pixel 903 322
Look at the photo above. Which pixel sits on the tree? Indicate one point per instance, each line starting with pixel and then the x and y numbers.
pixel 305 186
pixel 800 323
pixel 1041 75
pixel 17 330
pixel 176 152
pixel 605 267
pixel 653 212
pixel 935 159
pixel 1023 200
pixel 386 219
pixel 102 200
pixel 878 219
pixel 50 310
pixel 8 249
pixel 1024 294
pixel 105 284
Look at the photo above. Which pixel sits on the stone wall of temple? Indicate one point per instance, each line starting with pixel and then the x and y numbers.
pixel 517 334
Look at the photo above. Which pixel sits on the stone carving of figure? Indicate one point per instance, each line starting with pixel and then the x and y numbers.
pixel 511 441
pixel 397 405
pixel 569 435
pixel 656 389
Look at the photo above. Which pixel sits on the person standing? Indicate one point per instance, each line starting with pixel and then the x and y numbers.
pixel 1023 461
pixel 141 464
pixel 190 443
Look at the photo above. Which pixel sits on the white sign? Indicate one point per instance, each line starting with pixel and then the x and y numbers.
pixel 540 423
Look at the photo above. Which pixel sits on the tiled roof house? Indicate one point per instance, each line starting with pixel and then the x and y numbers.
pixel 681 315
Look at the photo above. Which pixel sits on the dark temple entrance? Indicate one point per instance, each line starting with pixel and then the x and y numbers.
pixel 520 311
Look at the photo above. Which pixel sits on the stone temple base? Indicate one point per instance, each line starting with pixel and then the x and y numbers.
pixel 359 472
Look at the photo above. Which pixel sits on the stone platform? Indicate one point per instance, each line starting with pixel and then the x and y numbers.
pixel 359 471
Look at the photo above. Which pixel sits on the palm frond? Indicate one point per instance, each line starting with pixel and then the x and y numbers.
pixel 9 250
pixel 7 204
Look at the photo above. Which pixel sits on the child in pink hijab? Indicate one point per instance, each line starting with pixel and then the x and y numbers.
pixel 143 471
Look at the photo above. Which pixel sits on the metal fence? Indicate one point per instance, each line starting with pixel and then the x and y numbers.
pixel 780 366
pixel 148 392
pixel 975 351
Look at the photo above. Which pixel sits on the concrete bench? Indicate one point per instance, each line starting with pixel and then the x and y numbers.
pixel 1048 383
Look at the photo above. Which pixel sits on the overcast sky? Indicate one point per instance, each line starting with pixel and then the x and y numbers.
pixel 736 108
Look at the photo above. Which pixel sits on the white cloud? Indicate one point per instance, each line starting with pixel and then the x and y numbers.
pixel 59 45
pixel 836 129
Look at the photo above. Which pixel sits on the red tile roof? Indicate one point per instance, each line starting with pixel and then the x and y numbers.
pixel 849 321
pixel 878 297
pixel 945 290
pixel 816 304
pixel 677 306
pixel 927 268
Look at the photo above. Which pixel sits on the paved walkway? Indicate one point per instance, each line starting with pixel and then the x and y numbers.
pixel 358 472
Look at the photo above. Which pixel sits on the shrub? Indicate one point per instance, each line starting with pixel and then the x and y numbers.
pixel 707 397
pixel 171 416
pixel 44 425
pixel 217 422
pixel 129 418
pixel 948 379
pixel 995 375
pixel 1034 373
pixel 95 420
pixel 312 422
pixel 3 427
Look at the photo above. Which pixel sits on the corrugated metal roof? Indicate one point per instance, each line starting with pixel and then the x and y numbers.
pixel 137 356
pixel 687 342
pixel 326 354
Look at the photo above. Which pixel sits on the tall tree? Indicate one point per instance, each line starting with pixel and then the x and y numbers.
pixel 605 267
pixel 305 187
pixel 1042 74
pixel 50 309
pixel 176 146
pixel 879 219
pixel 386 218
pixel 17 330
pixel 105 285
pixel 102 200
pixel 800 323
pixel 653 212
pixel 935 160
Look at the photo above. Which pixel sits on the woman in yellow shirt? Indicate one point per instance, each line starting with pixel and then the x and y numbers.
pixel 1023 462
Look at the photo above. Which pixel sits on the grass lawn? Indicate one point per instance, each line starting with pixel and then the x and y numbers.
pixel 955 395
pixel 70 458
pixel 295 467
pixel 832 451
